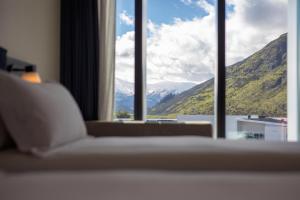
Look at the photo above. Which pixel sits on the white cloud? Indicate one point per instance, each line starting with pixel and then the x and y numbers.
pixel 203 4
pixel 126 19
pixel 186 50
pixel 209 8
pixel 177 52
pixel 187 2
pixel 125 56
pixel 252 25
pixel 151 26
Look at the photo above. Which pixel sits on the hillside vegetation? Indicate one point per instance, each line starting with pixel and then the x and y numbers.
pixel 256 86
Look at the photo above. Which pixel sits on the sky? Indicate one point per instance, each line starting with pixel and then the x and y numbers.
pixel 181 39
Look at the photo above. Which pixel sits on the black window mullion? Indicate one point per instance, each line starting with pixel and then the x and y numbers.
pixel 140 60
pixel 220 76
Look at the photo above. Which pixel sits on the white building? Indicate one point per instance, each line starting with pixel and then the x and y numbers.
pixel 252 127
pixel 268 129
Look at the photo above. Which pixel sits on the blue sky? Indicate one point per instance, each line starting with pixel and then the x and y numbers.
pixel 184 50
pixel 162 11
pixel 159 11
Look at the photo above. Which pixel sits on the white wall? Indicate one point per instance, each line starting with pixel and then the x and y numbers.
pixel 293 71
pixel 29 30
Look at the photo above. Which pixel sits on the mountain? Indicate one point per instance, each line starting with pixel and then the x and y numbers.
pixel 123 102
pixel 257 86
pixel 155 92
pixel 124 87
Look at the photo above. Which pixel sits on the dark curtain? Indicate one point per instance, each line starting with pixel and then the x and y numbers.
pixel 80 53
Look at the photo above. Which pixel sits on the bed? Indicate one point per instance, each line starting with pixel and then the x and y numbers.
pixel 55 158
pixel 158 153
pixel 150 185
pixel 169 168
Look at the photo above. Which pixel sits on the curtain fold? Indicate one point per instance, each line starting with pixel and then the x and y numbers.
pixel 106 10
pixel 80 53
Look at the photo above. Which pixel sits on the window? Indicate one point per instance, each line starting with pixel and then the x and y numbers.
pixel 256 72
pixel 124 79
pixel 169 72
pixel 181 61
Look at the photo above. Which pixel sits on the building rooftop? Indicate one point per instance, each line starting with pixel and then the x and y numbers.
pixel 267 119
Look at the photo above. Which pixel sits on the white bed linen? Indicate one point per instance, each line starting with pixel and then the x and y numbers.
pixel 187 144
pixel 150 185
pixel 159 153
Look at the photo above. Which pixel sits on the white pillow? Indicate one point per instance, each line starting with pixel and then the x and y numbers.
pixel 39 116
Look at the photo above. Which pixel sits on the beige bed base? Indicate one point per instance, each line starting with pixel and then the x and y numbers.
pixel 140 128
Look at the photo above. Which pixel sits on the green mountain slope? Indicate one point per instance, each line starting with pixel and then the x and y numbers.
pixel 256 86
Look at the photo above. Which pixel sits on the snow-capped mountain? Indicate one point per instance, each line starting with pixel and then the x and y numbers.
pixel 155 92
pixel 124 87
pixel 163 88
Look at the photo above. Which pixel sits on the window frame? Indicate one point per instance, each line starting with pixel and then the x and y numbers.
pixel 220 73
pixel 293 85
pixel 140 66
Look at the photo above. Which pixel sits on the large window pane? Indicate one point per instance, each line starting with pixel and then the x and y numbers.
pixel 124 79
pixel 256 78
pixel 180 59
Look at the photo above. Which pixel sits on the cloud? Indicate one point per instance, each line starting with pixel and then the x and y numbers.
pixel 176 48
pixel 264 14
pixel 125 56
pixel 187 2
pixel 151 26
pixel 185 50
pixel 252 25
pixel 203 4
pixel 209 8
pixel 126 19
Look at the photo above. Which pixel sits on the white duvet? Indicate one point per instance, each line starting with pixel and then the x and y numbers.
pixel 119 145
